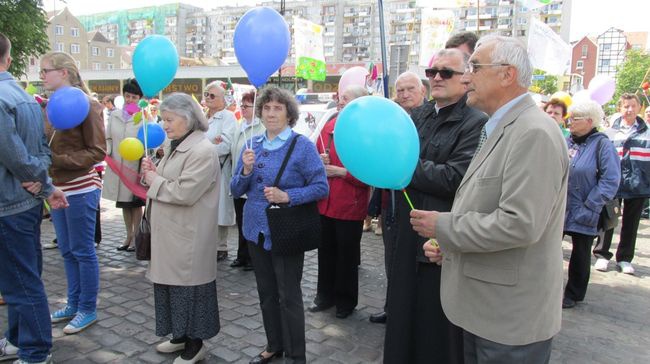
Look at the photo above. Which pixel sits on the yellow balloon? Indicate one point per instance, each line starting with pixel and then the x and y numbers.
pixel 131 149
pixel 564 97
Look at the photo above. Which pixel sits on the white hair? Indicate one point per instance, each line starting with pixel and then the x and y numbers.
pixel 589 109
pixel 510 51
pixel 217 84
pixel 184 106
pixel 408 75
pixel 356 91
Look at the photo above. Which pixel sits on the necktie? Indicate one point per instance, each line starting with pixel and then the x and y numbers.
pixel 481 140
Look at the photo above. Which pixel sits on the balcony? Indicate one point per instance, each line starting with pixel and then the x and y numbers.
pixel 503 26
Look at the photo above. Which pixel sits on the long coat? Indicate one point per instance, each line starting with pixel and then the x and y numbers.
pixel 120 125
pixel 183 202
pixel 223 124
pixel 502 240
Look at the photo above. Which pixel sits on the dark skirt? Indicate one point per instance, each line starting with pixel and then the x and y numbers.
pixel 136 202
pixel 190 311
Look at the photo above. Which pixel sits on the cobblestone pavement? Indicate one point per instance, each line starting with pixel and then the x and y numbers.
pixel 611 326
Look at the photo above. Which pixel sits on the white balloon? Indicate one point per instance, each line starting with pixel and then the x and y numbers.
pixel 119 102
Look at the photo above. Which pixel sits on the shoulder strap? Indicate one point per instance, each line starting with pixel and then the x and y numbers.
pixel 286 159
pixel 600 145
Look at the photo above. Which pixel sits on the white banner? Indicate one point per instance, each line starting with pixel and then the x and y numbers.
pixel 547 51
pixel 436 27
pixel 310 58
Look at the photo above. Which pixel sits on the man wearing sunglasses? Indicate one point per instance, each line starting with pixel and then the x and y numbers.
pixel 417 330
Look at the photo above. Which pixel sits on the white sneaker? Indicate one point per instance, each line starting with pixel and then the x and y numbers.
pixel 7 351
pixel 601 264
pixel 52 245
pixel 203 352
pixel 169 347
pixel 625 267
pixel 48 360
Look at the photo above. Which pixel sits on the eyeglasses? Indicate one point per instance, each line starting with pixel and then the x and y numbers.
pixel 209 95
pixel 45 71
pixel 574 118
pixel 444 73
pixel 475 67
pixel 244 107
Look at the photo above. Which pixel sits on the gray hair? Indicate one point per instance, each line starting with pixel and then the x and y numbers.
pixel 284 97
pixel 454 52
pixel 217 84
pixel 184 106
pixel 589 109
pixel 510 51
pixel 355 91
pixel 408 75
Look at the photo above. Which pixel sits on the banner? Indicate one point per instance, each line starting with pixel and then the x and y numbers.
pixel 436 27
pixel 547 51
pixel 310 59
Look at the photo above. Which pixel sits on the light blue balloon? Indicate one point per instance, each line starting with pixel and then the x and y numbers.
pixel 155 135
pixel 377 142
pixel 262 42
pixel 67 108
pixel 155 61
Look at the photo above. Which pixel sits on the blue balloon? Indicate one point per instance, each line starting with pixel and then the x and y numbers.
pixel 262 42
pixel 67 108
pixel 155 135
pixel 155 62
pixel 377 142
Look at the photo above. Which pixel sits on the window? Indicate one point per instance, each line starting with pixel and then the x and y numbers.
pixel 74 48
pixel 95 51
pixel 584 50
pixel 110 52
pixel 58 30
pixel 606 47
pixel 60 47
pixel 97 66
pixel 109 66
pixel 74 32
pixel 579 64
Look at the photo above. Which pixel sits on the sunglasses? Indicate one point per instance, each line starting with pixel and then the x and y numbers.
pixel 444 74
pixel 209 95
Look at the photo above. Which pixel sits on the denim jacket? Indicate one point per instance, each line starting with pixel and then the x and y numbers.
pixel 24 154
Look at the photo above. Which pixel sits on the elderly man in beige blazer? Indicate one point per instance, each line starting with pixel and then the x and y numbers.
pixel 500 246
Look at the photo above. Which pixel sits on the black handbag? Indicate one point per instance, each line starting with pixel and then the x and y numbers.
pixel 294 229
pixel 610 213
pixel 143 237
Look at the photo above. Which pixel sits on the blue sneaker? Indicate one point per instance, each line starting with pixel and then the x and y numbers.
pixel 66 313
pixel 80 322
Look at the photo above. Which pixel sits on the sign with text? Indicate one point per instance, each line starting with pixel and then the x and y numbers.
pixel 105 87
pixel 190 86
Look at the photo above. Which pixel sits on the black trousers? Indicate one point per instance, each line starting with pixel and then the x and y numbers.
pixel 483 351
pixel 389 237
pixel 242 247
pixel 278 286
pixel 632 209
pixel 338 269
pixel 579 266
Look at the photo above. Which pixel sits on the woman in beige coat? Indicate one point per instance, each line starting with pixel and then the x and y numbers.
pixel 121 125
pixel 183 202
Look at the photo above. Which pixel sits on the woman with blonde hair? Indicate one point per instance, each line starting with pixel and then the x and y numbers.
pixel 75 151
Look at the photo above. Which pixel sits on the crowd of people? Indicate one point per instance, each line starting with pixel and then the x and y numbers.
pixel 473 265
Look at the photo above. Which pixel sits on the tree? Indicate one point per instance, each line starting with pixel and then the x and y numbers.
pixel 547 85
pixel 24 23
pixel 632 73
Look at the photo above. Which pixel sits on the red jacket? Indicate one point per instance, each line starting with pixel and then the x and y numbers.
pixel 348 197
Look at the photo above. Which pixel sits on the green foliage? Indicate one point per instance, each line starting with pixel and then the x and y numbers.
pixel 24 23
pixel 547 86
pixel 632 73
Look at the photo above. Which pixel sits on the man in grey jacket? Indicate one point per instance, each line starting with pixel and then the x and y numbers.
pixel 24 184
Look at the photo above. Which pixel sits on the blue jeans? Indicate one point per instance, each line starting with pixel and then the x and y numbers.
pixel 75 235
pixel 21 265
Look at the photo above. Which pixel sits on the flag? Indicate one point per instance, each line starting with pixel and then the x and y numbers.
pixel 310 58
pixel 546 50
pixel 229 85
pixel 434 32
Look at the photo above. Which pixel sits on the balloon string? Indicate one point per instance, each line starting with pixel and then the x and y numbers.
pixel 322 144
pixel 252 122
pixel 144 129
pixel 51 138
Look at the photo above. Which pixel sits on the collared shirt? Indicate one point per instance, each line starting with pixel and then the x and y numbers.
pixel 277 142
pixel 245 125
pixel 498 115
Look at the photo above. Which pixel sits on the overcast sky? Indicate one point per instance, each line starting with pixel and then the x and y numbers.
pixel 589 17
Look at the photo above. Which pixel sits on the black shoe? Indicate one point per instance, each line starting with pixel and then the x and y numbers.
pixel 259 359
pixel 379 318
pixel 221 255
pixel 343 313
pixel 238 263
pixel 122 248
pixel 319 307
pixel 568 303
pixel 248 266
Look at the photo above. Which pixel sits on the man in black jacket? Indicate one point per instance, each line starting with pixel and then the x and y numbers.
pixel 417 330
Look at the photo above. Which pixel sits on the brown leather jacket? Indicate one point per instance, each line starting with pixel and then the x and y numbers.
pixel 75 151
